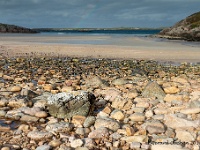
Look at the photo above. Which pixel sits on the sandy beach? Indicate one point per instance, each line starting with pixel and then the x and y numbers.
pixel 100 46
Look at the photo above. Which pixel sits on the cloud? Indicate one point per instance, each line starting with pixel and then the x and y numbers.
pixel 95 13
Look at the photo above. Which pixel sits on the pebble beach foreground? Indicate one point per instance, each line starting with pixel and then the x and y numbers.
pixel 98 104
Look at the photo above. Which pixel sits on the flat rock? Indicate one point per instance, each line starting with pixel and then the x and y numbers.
pixel 41 114
pixel 153 90
pixel 167 147
pixel 39 135
pixel 28 118
pixel 171 90
pixel 108 123
pixel 95 82
pixel 172 121
pixel 43 147
pixel 172 97
pixel 66 105
pixel 136 138
pixel 101 132
pixel 18 102
pixel 185 136
pixel 15 89
pixel 137 117
pixel 194 104
pixel 30 111
pixel 154 127
pixel 122 103
pixel 120 81
pixel 110 94
pixel 190 111
pixel 59 127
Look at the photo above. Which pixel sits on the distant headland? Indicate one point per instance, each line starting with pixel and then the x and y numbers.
pixel 6 28
pixel 186 29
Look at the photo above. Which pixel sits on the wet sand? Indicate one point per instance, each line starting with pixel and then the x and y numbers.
pixel 100 46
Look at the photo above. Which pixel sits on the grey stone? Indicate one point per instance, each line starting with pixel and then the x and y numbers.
pixel 171 120
pixel 43 147
pixel 135 145
pixel 66 105
pixel 153 90
pixel 76 143
pixel 39 135
pixel 119 81
pixel 59 127
pixel 194 104
pixel 88 142
pixel 82 131
pixel 108 123
pixel 185 136
pixel 89 121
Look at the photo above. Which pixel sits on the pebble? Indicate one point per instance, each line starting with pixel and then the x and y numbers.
pixel 117 114
pixel 76 143
pixel 170 97
pixel 171 90
pixel 43 147
pixel 5 148
pixel 41 114
pixel 82 131
pixel 28 118
pixel 99 133
pixel 122 103
pixel 108 123
pixel 39 135
pixel 160 111
pixel 135 145
pixel 180 122
pixel 89 121
pixel 167 147
pixel 149 113
pixel 185 136
pixel 55 143
pixel 137 138
pixel 15 89
pixel 190 111
pixel 2 113
pixel 137 117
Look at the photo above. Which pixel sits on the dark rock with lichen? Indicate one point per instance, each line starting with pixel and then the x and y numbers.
pixel 66 105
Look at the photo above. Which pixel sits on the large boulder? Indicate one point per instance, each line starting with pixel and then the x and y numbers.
pixel 66 105
pixel 153 90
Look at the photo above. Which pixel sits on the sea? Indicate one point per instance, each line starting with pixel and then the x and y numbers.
pixel 95 37
pixel 136 32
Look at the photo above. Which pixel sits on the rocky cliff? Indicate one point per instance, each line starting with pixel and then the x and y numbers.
pixel 187 29
pixel 5 28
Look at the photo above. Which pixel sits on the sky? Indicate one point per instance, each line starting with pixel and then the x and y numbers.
pixel 95 13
